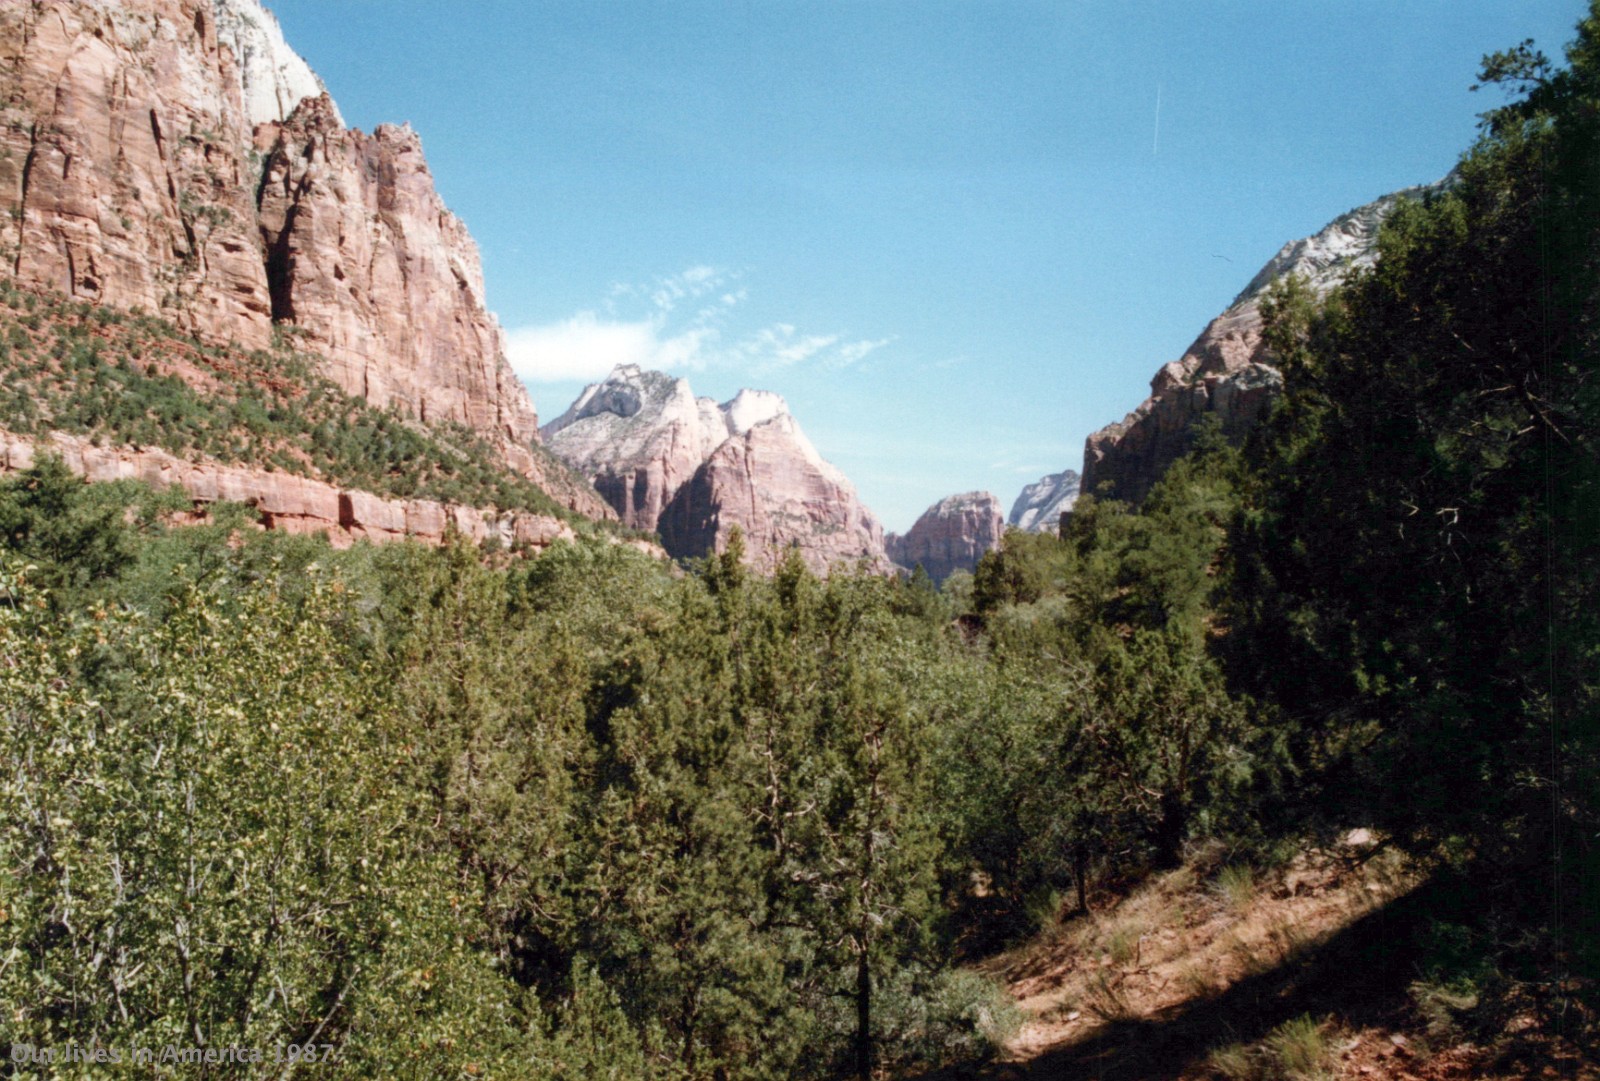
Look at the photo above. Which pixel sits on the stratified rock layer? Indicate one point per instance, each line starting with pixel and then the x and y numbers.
pixel 694 470
pixel 1228 372
pixel 951 535
pixel 1040 505
pixel 290 503
pixel 177 156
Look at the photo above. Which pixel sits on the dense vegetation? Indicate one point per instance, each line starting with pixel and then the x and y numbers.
pixel 118 378
pixel 581 816
pixel 578 813
pixel 1416 558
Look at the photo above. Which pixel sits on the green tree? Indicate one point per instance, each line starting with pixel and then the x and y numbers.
pixel 207 842
pixel 1417 574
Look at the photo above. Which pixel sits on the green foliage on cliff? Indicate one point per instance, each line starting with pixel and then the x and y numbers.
pixel 586 816
pixel 121 379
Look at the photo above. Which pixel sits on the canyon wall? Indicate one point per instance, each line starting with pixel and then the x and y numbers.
pixel 694 470
pixel 176 156
pixel 1228 372
pixel 951 535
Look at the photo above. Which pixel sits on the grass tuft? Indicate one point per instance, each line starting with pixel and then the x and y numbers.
pixel 1236 884
pixel 1300 1049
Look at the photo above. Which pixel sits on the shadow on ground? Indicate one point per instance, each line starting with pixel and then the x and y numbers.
pixel 1358 975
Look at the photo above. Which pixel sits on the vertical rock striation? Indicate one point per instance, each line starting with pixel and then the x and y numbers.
pixel 639 437
pixel 179 157
pixel 125 168
pixel 951 535
pixel 382 280
pixel 693 470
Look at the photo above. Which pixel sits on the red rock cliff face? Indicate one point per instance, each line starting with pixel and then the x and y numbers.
pixel 1226 373
pixel 951 535
pixel 138 168
pixel 386 283
pixel 764 482
pixel 124 162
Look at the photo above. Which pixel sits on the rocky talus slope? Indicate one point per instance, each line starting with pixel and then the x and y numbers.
pixel 1040 505
pixel 177 157
pixel 693 470
pixel 1228 371
pixel 951 535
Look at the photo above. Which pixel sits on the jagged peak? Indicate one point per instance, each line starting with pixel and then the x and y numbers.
pixel 626 393
pixel 749 408
pixel 636 413
pixel 656 398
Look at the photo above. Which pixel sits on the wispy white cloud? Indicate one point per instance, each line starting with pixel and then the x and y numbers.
pixel 780 346
pixel 682 329
pixel 693 283
pixel 585 348
pixel 854 352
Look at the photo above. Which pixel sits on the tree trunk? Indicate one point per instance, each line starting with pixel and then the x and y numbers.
pixel 1170 830
pixel 863 1016
pixel 1080 876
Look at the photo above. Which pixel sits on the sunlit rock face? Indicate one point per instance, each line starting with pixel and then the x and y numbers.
pixel 381 279
pixel 273 78
pixel 1040 505
pixel 285 502
pixel 951 535
pixel 178 156
pixel 693 469
pixel 1228 372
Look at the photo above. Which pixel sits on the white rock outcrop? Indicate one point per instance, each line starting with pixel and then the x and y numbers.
pixel 692 469
pixel 1228 372
pixel 273 78
pixel 1039 507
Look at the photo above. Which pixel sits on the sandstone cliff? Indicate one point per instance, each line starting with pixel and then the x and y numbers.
pixel 639 437
pixel 951 535
pixel 1040 505
pixel 692 470
pixel 1227 372
pixel 177 156
pixel 290 503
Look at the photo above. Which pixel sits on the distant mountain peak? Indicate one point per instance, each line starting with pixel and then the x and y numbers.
pixel 950 536
pixel 1039 506
pixel 692 469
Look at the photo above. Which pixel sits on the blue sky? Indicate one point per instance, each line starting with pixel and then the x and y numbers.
pixel 957 237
